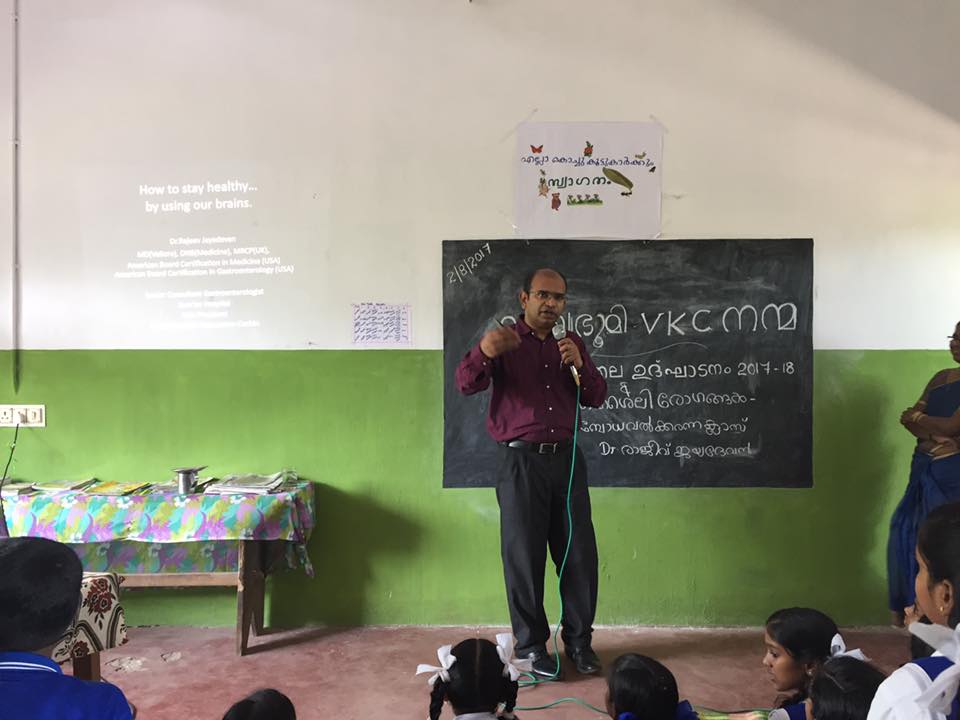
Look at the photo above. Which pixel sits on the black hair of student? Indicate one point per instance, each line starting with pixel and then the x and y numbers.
pixel 267 704
pixel 843 688
pixel 39 592
pixel 477 683
pixel 528 280
pixel 938 543
pixel 640 685
pixel 806 634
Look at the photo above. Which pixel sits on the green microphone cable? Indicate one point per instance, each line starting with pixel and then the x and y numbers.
pixel 533 680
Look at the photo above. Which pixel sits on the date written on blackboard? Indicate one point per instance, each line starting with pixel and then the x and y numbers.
pixel 656 370
pixel 466 266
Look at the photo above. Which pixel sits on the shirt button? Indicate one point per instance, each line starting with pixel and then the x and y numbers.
pixel 546 366
pixel 548 387
pixel 549 408
pixel 551 431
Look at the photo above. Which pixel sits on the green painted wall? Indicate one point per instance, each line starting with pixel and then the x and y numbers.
pixel 392 546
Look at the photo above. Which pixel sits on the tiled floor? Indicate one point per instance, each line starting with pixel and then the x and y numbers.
pixel 179 673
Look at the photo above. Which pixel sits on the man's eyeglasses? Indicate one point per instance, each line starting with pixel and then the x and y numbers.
pixel 546 295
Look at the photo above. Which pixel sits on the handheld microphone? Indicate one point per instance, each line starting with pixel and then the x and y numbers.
pixel 559 334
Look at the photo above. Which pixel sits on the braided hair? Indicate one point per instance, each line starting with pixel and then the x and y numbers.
pixel 477 683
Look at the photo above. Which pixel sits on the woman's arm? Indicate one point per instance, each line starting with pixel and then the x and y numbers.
pixel 948 426
pixel 919 407
pixel 912 428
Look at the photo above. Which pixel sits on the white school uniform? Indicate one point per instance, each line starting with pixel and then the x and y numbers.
pixel 896 698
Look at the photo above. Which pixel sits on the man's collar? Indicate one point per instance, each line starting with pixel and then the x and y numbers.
pixel 522 327
pixel 27 661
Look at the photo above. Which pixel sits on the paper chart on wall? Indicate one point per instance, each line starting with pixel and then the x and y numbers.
pixel 582 180
pixel 381 325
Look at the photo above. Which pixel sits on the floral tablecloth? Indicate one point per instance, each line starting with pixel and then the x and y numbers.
pixel 167 532
pixel 100 625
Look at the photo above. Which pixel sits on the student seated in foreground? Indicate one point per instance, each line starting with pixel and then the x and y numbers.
pixel 926 688
pixel 268 704
pixel 477 678
pixel 842 689
pixel 640 688
pixel 39 601
pixel 798 642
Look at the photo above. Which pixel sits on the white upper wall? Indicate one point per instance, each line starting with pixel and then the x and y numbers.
pixel 6 177
pixel 374 129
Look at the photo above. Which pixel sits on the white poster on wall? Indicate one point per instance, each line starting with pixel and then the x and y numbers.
pixel 381 325
pixel 582 180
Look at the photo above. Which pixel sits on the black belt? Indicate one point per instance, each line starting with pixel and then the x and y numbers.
pixel 545 448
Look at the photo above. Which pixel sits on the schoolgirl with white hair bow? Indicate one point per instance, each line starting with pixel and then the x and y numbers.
pixel 478 679
pixel 926 688
pixel 798 642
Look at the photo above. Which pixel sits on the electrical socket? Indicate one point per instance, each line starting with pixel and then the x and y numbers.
pixel 23 415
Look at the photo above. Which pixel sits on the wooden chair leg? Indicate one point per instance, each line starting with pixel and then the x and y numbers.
pixel 87 667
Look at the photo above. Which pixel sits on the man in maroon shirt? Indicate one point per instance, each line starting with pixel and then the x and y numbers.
pixel 532 413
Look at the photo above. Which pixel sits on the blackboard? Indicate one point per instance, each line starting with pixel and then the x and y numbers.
pixel 706 346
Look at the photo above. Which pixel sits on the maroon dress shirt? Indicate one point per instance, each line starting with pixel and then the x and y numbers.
pixel 534 396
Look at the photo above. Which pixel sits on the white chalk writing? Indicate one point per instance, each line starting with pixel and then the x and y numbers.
pixel 466 266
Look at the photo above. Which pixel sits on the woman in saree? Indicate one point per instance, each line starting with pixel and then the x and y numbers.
pixel 934 476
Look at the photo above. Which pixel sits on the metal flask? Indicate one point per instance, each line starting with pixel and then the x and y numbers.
pixel 187 479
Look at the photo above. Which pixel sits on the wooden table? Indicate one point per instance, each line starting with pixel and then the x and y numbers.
pixel 162 540
pixel 256 559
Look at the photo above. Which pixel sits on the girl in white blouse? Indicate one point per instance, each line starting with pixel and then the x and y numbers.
pixel 477 678
pixel 926 689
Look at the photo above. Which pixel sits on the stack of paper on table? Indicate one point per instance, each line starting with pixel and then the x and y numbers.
pixel 49 487
pixel 247 484
pixel 16 488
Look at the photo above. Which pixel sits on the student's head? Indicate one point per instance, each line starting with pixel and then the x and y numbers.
pixel 938 554
pixel 266 704
pixel 843 688
pixel 797 642
pixel 39 592
pixel 640 685
pixel 477 683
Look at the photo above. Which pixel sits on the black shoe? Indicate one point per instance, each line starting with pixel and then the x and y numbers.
pixel 584 659
pixel 545 665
